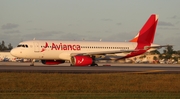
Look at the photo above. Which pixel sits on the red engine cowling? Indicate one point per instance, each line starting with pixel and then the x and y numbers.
pixel 52 62
pixel 81 60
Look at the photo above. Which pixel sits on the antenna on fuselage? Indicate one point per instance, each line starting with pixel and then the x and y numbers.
pixel 100 40
pixel 34 38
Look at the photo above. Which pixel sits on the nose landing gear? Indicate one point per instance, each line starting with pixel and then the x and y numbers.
pixel 32 62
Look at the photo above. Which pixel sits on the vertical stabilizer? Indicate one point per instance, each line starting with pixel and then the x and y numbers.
pixel 147 32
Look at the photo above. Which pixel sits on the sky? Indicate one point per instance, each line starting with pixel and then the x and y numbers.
pixel 91 20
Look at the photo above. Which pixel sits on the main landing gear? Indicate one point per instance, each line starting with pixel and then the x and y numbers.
pixel 94 64
pixel 94 61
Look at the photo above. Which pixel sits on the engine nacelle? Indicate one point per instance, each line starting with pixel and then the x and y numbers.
pixel 81 60
pixel 52 62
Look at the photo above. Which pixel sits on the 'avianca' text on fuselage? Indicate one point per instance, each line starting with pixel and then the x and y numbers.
pixel 62 46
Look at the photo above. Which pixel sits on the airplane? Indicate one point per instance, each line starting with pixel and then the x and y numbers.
pixel 83 53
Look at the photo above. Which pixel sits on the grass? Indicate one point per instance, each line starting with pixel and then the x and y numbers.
pixel 88 86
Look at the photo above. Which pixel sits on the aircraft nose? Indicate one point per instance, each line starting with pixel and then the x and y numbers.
pixel 14 52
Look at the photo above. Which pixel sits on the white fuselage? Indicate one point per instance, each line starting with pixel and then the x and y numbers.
pixel 55 50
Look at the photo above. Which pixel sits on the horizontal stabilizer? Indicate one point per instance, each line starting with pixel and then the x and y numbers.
pixel 160 46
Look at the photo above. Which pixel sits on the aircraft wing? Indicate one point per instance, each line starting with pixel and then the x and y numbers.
pixel 106 52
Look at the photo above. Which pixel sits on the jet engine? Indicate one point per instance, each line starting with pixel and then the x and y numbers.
pixel 81 60
pixel 52 62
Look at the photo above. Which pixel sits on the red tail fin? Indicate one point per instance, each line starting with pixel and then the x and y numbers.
pixel 145 36
pixel 147 32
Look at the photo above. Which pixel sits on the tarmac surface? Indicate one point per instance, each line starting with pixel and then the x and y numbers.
pixel 102 68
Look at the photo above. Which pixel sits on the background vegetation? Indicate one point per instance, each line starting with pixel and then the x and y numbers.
pixel 168 53
pixel 3 46
pixel 113 85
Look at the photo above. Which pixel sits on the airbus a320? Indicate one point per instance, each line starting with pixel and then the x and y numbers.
pixel 83 53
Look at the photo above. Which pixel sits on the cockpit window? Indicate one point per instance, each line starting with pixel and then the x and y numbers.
pixel 19 46
pixel 23 45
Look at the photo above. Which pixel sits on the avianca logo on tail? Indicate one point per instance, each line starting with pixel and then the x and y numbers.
pixel 61 46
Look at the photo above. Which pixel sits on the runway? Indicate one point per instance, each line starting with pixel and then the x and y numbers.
pixel 103 68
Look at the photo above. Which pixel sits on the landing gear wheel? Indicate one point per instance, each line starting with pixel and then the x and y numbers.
pixel 31 64
pixel 94 64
